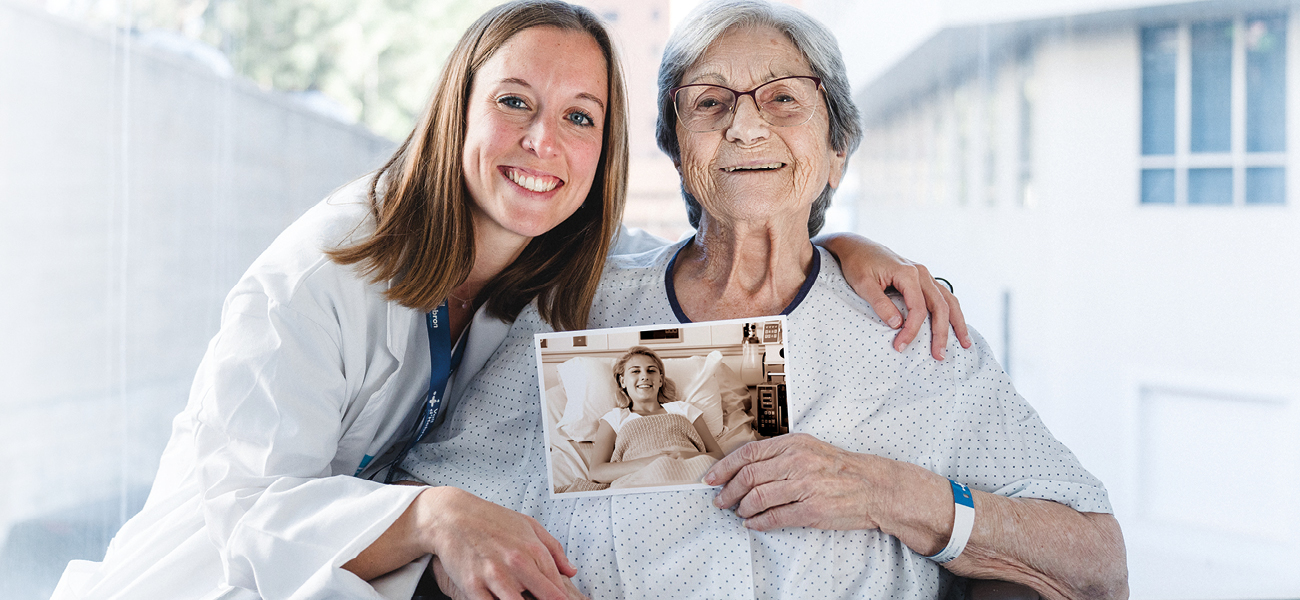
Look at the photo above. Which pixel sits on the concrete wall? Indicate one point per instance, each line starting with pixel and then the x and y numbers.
pixel 1157 342
pixel 135 188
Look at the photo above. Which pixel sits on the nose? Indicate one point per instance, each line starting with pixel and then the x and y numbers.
pixel 747 125
pixel 539 139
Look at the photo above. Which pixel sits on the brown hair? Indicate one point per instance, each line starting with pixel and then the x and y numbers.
pixel 667 391
pixel 424 237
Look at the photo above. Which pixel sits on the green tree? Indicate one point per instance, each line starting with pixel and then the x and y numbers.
pixel 377 58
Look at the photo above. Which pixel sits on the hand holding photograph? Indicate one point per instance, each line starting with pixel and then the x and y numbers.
pixel 643 409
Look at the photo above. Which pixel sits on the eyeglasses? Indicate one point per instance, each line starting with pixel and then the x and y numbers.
pixel 784 102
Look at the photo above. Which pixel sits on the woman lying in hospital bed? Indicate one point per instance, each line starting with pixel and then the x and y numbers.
pixel 624 423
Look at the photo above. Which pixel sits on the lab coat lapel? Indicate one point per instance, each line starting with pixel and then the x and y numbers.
pixel 400 321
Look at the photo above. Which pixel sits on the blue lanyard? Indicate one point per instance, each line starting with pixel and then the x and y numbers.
pixel 442 361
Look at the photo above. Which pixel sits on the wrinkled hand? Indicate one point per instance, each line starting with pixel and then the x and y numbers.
pixel 797 480
pixel 449 588
pixel 871 268
pixel 488 551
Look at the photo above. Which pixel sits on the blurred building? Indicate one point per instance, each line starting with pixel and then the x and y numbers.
pixel 1112 196
pixel 640 29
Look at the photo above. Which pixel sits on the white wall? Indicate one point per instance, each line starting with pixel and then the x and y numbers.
pixel 136 188
pixel 1157 342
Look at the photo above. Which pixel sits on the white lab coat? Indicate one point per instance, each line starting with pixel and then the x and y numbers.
pixel 311 370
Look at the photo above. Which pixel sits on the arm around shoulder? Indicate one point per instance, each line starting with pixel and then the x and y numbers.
pixel 871 268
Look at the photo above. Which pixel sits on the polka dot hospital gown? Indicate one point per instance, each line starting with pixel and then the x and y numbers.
pixel 960 418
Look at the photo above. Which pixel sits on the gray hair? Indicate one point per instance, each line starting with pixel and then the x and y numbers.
pixel 709 21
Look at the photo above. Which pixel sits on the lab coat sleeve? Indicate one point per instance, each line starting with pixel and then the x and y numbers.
pixel 274 396
pixel 635 241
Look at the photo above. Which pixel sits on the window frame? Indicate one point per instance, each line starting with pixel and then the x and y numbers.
pixel 1237 158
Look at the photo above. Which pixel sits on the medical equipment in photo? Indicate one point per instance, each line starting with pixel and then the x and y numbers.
pixel 770 407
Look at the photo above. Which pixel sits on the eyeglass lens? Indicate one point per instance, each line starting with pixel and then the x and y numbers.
pixel 783 102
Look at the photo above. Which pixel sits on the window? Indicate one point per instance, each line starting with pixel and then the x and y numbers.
pixel 1214 112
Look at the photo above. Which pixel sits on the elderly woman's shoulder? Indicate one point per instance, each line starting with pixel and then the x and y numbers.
pixel 831 278
pixel 650 263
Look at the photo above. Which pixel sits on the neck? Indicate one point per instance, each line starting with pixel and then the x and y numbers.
pixel 744 269
pixel 494 250
pixel 641 408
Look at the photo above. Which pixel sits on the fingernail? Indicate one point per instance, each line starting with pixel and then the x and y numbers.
pixel 943 353
pixel 895 321
pixel 898 346
pixel 709 478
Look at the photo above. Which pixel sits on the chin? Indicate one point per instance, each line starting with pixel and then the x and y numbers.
pixel 533 226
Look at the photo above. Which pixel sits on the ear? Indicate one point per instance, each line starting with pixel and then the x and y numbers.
pixel 837 168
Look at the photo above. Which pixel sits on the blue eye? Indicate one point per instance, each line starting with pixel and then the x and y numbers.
pixel 581 119
pixel 512 102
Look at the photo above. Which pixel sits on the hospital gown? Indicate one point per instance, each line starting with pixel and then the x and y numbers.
pixel 960 418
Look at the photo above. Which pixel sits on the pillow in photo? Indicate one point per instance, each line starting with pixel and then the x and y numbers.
pixel 555 403
pixel 696 385
pixel 589 384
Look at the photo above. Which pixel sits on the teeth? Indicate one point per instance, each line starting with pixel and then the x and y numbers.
pixel 533 184
pixel 766 167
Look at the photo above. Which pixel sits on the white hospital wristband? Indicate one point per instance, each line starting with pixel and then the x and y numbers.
pixel 963 521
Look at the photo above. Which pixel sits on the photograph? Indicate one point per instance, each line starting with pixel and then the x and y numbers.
pixel 643 409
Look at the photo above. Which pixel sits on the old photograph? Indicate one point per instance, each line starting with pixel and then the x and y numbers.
pixel 640 409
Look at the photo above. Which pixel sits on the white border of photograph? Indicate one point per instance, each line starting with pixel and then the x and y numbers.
pixel 695 340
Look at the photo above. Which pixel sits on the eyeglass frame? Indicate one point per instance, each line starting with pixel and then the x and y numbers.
pixel 672 95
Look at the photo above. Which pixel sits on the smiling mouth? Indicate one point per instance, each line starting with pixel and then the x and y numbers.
pixel 532 183
pixel 746 168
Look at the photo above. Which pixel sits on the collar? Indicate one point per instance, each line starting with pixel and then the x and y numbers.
pixel 803 289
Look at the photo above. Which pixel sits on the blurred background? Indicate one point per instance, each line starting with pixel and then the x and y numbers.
pixel 1106 183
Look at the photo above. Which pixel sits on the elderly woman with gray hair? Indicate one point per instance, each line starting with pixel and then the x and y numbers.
pixel 876 490
pixel 903 471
